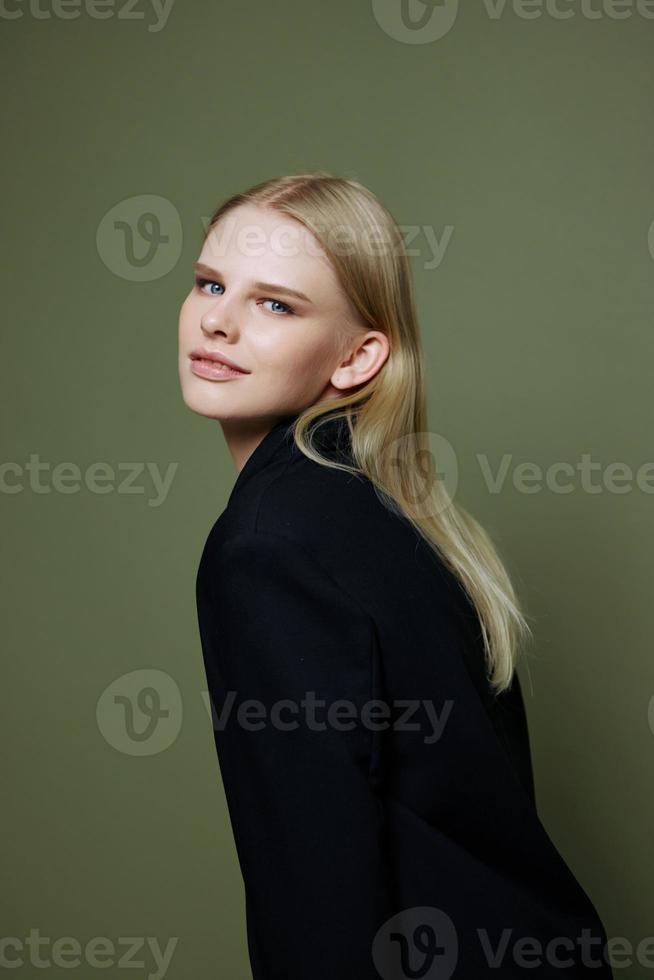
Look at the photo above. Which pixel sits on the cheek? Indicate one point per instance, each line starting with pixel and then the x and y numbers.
pixel 305 371
pixel 190 314
pixel 288 353
pixel 187 317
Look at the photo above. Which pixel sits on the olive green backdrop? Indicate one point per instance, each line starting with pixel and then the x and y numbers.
pixel 517 140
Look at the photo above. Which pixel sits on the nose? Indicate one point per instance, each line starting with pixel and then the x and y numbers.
pixel 214 320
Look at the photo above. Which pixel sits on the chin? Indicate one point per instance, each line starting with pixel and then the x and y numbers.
pixel 198 402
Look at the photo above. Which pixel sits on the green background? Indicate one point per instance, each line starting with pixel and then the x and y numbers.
pixel 531 139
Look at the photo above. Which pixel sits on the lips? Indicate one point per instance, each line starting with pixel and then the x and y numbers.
pixel 217 358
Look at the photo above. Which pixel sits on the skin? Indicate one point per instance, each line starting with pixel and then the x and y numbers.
pixel 318 352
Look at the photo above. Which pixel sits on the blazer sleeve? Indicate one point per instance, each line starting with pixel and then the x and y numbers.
pixel 294 655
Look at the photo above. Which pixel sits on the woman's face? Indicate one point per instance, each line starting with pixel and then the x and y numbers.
pixel 294 350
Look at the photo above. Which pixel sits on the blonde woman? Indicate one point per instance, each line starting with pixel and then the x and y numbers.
pixel 359 631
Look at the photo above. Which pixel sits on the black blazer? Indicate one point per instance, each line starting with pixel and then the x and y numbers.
pixel 395 839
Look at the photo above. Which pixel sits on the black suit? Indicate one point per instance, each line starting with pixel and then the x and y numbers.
pixel 342 821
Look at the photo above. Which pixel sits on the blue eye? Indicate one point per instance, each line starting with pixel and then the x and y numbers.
pixel 289 309
pixel 201 283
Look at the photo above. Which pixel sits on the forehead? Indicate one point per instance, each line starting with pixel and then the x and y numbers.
pixel 260 243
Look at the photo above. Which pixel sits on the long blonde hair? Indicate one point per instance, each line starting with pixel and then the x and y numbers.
pixel 387 417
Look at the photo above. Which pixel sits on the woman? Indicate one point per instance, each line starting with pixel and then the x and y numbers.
pixel 359 632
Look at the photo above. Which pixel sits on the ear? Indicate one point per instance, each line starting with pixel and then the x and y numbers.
pixel 365 356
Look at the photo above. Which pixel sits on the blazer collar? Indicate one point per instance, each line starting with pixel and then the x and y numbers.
pixel 331 437
pixel 272 443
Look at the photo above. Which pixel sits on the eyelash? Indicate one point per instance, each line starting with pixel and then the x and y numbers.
pixel 201 283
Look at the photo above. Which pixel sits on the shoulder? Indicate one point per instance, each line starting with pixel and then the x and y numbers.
pixel 338 519
pixel 300 511
pixel 321 508
pixel 297 514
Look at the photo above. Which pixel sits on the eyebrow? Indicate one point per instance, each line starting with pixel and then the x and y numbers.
pixel 273 287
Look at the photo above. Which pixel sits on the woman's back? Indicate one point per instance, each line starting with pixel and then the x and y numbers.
pixel 381 796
